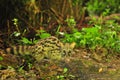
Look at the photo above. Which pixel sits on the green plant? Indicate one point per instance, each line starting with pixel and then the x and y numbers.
pixel 64 75
pixel 15 22
pixel 26 41
pixel 15 34
pixel 111 41
pixel 106 12
pixel 91 36
pixel 95 36
pixel 112 25
pixel 71 21
pixel 117 46
pixel 87 37
pixel 42 34
pixel 109 38
pixel 100 20
pixel 1 58
pixel 97 7
pixel 21 70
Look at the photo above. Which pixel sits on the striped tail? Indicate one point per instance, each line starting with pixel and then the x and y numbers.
pixel 19 50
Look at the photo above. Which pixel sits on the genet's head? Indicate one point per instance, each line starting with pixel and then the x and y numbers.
pixel 68 48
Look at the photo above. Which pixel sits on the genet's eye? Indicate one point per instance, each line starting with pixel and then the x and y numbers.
pixel 69 51
pixel 64 53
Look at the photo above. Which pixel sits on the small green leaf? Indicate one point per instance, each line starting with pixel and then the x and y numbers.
pixel 26 41
pixel 65 70
pixel 77 35
pixel 16 34
pixel 60 77
pixel 1 58
pixel 44 35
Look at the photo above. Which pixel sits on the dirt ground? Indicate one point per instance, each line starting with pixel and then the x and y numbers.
pixel 80 66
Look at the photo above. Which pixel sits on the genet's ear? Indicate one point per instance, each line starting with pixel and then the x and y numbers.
pixel 72 45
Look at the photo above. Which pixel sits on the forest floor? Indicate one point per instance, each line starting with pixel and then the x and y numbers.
pixel 77 67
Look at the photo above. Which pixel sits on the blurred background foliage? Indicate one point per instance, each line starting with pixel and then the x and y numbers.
pixel 26 17
pixel 96 7
pixel 34 14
